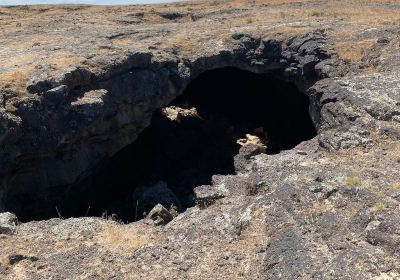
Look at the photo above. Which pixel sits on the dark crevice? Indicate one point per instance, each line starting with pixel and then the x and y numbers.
pixel 188 142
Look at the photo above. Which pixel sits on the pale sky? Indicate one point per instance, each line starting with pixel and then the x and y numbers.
pixel 98 2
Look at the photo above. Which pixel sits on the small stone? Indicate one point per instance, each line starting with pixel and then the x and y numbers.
pixel 174 210
pixel 383 41
pixel 329 190
pixel 316 189
pixel 177 114
pixel 318 179
pixel 171 15
pixel 15 258
pixel 250 140
pixel 160 215
pixel 396 118
pixel 8 223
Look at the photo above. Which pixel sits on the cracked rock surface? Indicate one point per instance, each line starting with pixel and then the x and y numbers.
pixel 79 83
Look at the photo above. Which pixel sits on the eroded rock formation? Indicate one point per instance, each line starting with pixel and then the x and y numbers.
pixel 67 126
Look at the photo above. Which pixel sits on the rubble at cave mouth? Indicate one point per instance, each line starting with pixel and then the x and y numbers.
pixel 190 140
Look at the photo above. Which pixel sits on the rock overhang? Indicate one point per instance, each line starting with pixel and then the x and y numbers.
pixel 59 114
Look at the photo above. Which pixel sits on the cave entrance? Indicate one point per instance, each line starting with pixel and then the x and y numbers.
pixel 195 137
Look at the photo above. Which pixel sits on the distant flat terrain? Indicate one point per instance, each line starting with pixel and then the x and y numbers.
pixel 89 2
pixel 49 39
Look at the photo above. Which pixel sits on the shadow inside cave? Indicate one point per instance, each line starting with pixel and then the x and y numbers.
pixel 188 142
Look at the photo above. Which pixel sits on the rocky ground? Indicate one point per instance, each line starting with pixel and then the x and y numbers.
pixel 79 83
pixel 302 214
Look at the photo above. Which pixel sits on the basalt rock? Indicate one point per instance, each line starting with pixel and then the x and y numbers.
pixel 8 223
pixel 82 118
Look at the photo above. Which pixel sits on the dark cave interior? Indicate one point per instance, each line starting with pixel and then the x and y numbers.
pixel 188 142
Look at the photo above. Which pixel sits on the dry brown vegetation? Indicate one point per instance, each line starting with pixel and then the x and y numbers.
pixel 51 35
pixel 128 238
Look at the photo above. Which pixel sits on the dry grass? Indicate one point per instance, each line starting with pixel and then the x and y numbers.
pixel 126 238
pixel 371 69
pixel 354 16
pixel 251 238
pixel 16 79
pixel 379 206
pixel 66 61
pixel 352 212
pixel 11 244
pixel 345 21
pixel 395 186
pixel 354 51
pixel 352 181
